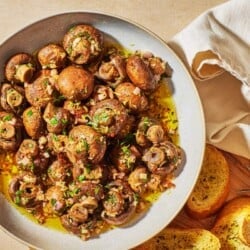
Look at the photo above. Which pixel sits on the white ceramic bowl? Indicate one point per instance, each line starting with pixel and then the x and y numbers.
pixel 191 130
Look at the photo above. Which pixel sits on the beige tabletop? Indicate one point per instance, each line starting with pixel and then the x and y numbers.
pixel 163 17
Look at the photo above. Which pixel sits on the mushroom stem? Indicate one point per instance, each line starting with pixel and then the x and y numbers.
pixel 24 72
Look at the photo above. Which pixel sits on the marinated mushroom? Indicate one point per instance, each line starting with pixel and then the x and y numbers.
pixel 131 97
pixel 40 92
pixel 78 111
pixel 124 157
pixel 88 171
pixel 33 122
pixel 113 71
pixel 57 118
pixel 75 83
pixel 149 131
pixel 140 74
pixel 138 179
pixel 52 56
pixel 59 171
pixel 20 68
pixel 55 200
pixel 57 143
pixel 83 43
pixel 85 144
pixel 29 157
pixel 25 191
pixel 119 204
pixel 108 117
pixel 163 159
pixel 10 131
pixel 13 98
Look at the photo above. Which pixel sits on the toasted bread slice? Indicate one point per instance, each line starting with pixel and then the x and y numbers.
pixel 175 238
pixel 232 226
pixel 212 187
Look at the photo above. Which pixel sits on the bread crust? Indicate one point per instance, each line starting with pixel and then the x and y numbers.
pixel 212 187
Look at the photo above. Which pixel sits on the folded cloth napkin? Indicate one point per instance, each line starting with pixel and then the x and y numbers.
pixel 216 49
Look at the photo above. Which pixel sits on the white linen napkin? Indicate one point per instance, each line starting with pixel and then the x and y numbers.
pixel 216 49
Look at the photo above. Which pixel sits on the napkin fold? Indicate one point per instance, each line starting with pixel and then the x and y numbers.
pixel 216 49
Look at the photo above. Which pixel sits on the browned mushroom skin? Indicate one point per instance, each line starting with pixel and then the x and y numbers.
pixel 40 92
pixel 119 204
pixel 29 157
pixel 57 143
pixel 59 171
pixel 75 83
pixel 25 191
pixel 108 117
pixel 33 122
pixel 86 188
pixel 114 71
pixel 13 98
pixel 87 171
pixel 55 202
pixel 57 118
pixel 138 179
pixel 10 131
pixel 140 74
pixel 124 157
pixel 163 159
pixel 131 97
pixel 149 131
pixel 83 43
pixel 52 56
pixel 20 68
pixel 85 144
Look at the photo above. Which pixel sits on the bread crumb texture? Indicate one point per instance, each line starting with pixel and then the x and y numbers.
pixel 212 186
pixel 232 226
pixel 174 238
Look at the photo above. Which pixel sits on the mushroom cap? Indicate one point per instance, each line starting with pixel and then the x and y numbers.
pixel 75 83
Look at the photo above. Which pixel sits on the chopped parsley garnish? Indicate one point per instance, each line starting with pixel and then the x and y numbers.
pixel 54 121
pixel 30 113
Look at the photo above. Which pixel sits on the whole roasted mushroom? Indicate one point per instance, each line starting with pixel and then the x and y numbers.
pixel 108 117
pixel 25 190
pixel 113 72
pixel 83 43
pixel 57 118
pixel 119 204
pixel 138 179
pixel 10 131
pixel 40 92
pixel 52 56
pixel 131 97
pixel 30 157
pixel 124 157
pixel 140 74
pixel 149 131
pixel 60 171
pixel 85 144
pixel 55 200
pixel 163 159
pixel 20 68
pixel 13 98
pixel 33 122
pixel 75 83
